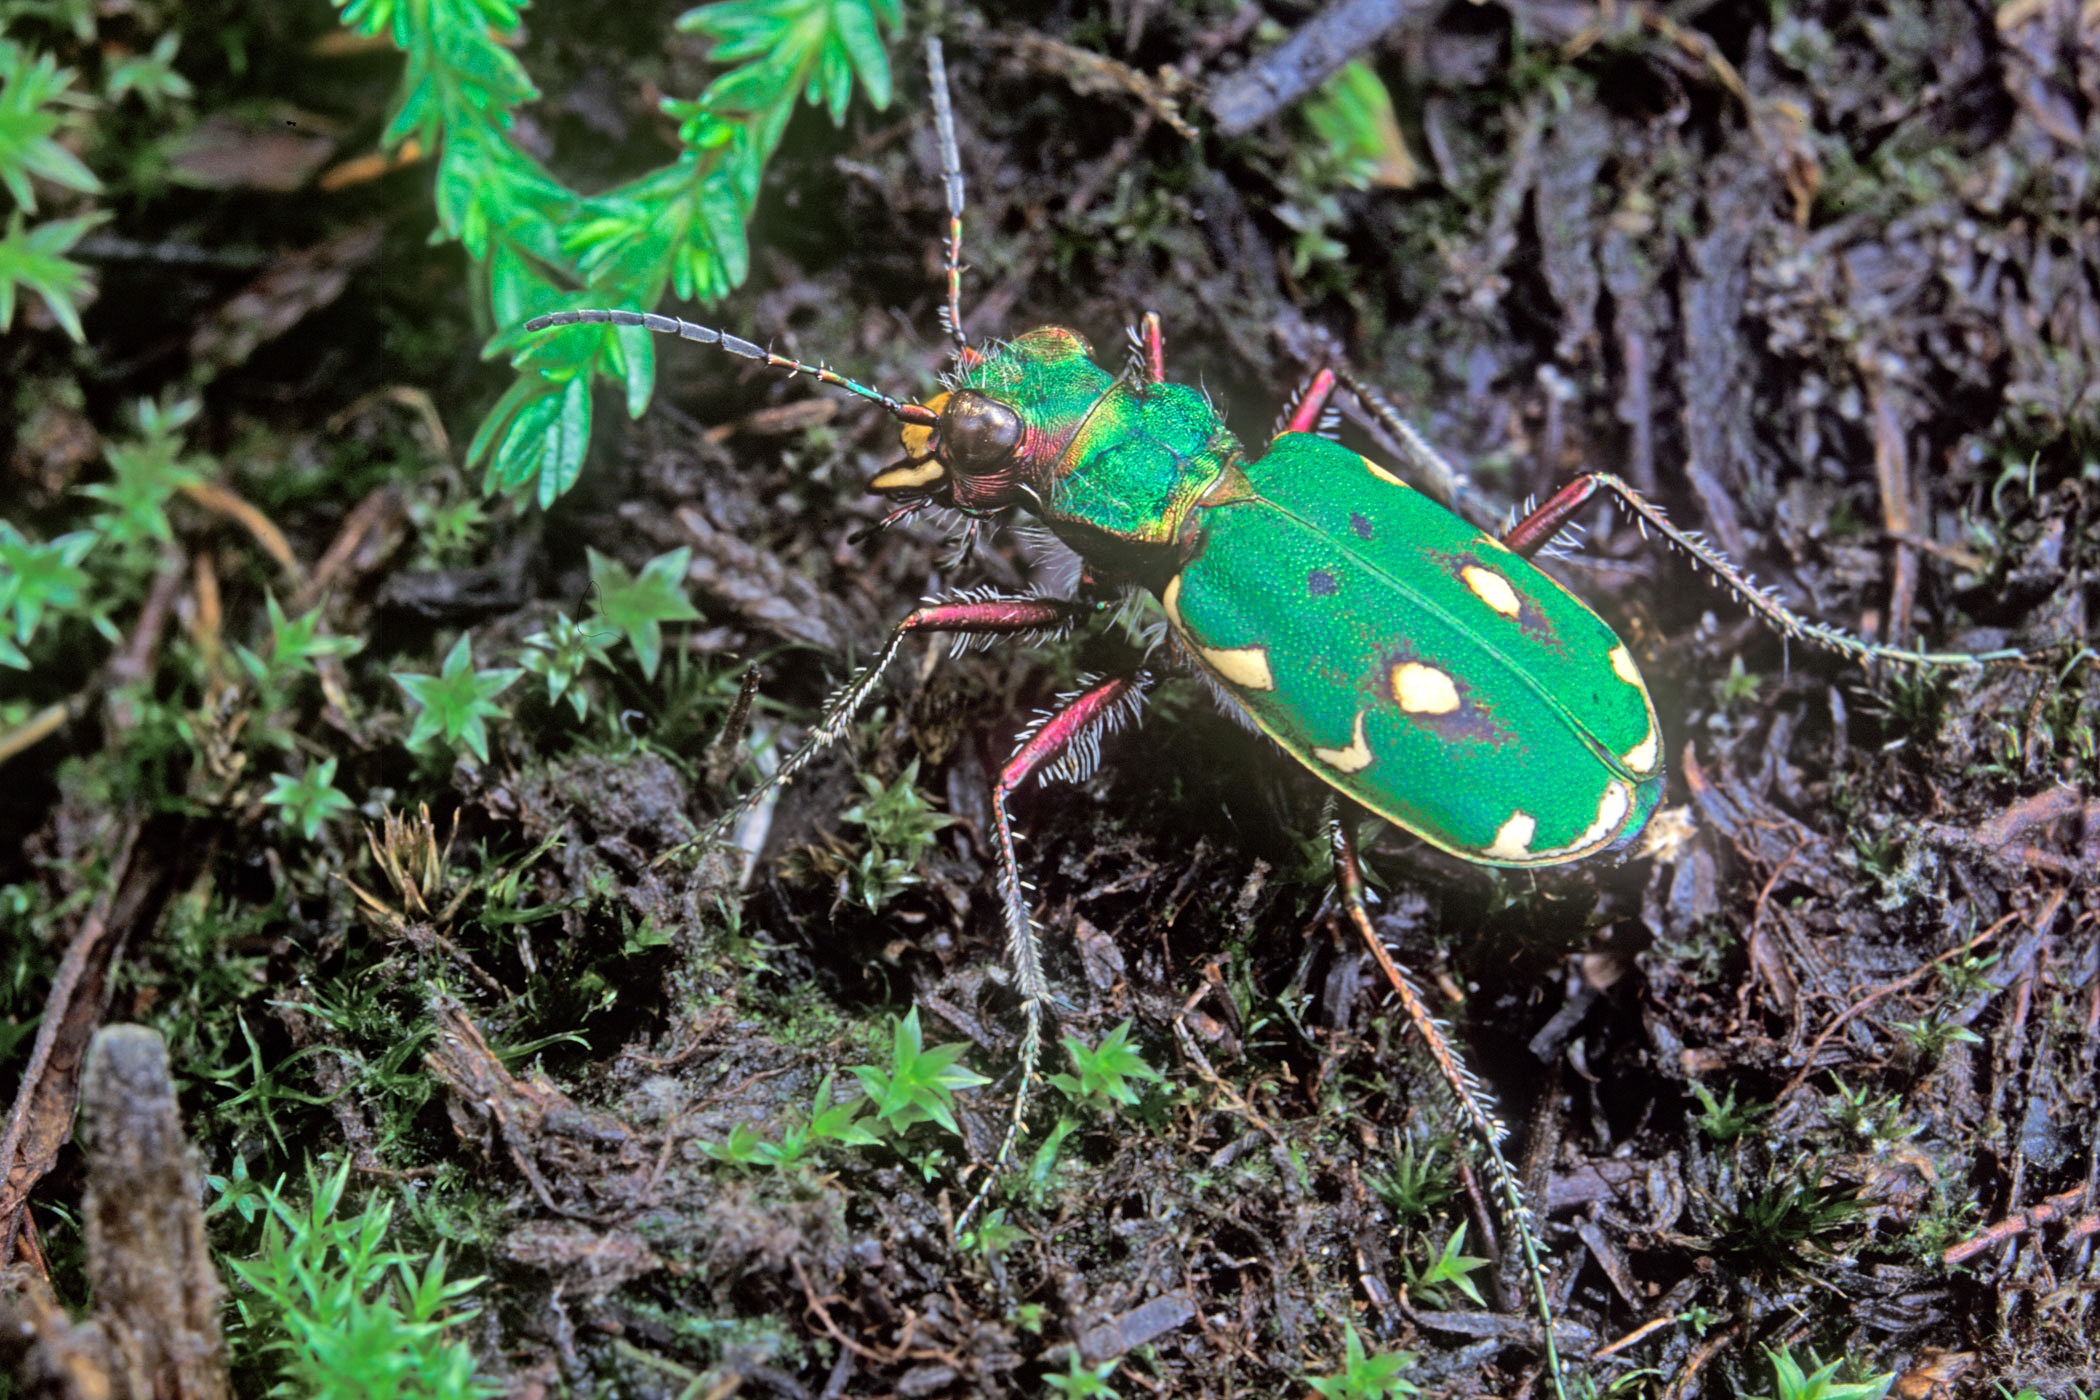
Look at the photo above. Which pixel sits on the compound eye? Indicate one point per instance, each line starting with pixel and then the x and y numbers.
pixel 980 433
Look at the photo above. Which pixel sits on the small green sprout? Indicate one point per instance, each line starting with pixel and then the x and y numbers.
pixel 988 1237
pixel 1108 1074
pixel 1352 114
pixel 1822 1383
pixel 1738 687
pixel 146 473
pixel 1967 976
pixel 344 1316
pixel 1450 1267
pixel 639 604
pixel 1873 1121
pixel 28 134
pixel 920 1084
pixel 310 799
pixel 901 826
pixel 1082 1380
pixel 151 75
pixel 1420 1180
pixel 1723 1120
pixel 828 1122
pixel 456 701
pixel 37 98
pixel 1367 1376
pixel 35 578
pixel 559 654
pixel 295 644
pixel 1930 1037
pixel 1776 1224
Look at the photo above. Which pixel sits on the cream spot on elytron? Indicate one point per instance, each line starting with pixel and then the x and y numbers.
pixel 1245 667
pixel 1353 759
pixel 1641 757
pixel 1383 475
pixel 1513 841
pixel 1611 810
pixel 1622 665
pixel 1423 690
pixel 1491 588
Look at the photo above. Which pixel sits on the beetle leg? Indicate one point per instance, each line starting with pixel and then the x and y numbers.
pixel 1309 404
pixel 965 617
pixel 1065 737
pixel 1148 352
pixel 1531 534
pixel 1535 529
pixel 1474 1105
pixel 1427 465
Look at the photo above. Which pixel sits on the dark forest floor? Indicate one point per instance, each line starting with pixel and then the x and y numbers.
pixel 1813 1069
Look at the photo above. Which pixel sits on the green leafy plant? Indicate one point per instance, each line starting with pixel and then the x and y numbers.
pixel 296 643
pixel 310 799
pixel 145 474
pixel 901 826
pixel 1367 1375
pixel 1870 1120
pixel 1738 687
pixel 1449 1267
pixel 920 1084
pixel 1082 1380
pixel 40 580
pixel 1790 1382
pixel 1722 1119
pixel 149 76
pixel 1774 1226
pixel 37 98
pixel 828 1121
pixel 36 578
pixel 1359 133
pixel 639 604
pixel 342 1315
pixel 679 228
pixel 1930 1037
pixel 1420 1179
pixel 1109 1074
pixel 559 656
pixel 455 702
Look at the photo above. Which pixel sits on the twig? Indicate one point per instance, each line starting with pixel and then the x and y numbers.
pixel 1877 994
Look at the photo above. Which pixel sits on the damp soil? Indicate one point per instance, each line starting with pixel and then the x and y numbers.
pixel 1811 1069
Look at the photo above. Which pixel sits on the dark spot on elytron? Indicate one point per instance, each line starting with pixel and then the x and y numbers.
pixel 1361 524
pixel 1319 583
pixel 1468 724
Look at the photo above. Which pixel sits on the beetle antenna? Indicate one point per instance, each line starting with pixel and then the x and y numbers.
pixel 952 180
pixel 917 414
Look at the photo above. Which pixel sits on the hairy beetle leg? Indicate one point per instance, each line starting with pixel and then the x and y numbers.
pixel 1531 534
pixel 1474 1103
pixel 1310 403
pixel 1093 712
pixel 962 617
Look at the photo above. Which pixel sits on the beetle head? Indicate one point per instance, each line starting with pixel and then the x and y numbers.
pixel 969 460
pixel 1005 422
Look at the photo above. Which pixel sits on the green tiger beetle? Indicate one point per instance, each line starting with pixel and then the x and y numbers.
pixel 1422 668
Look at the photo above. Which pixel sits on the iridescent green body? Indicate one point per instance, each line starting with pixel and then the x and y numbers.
pixel 1408 659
